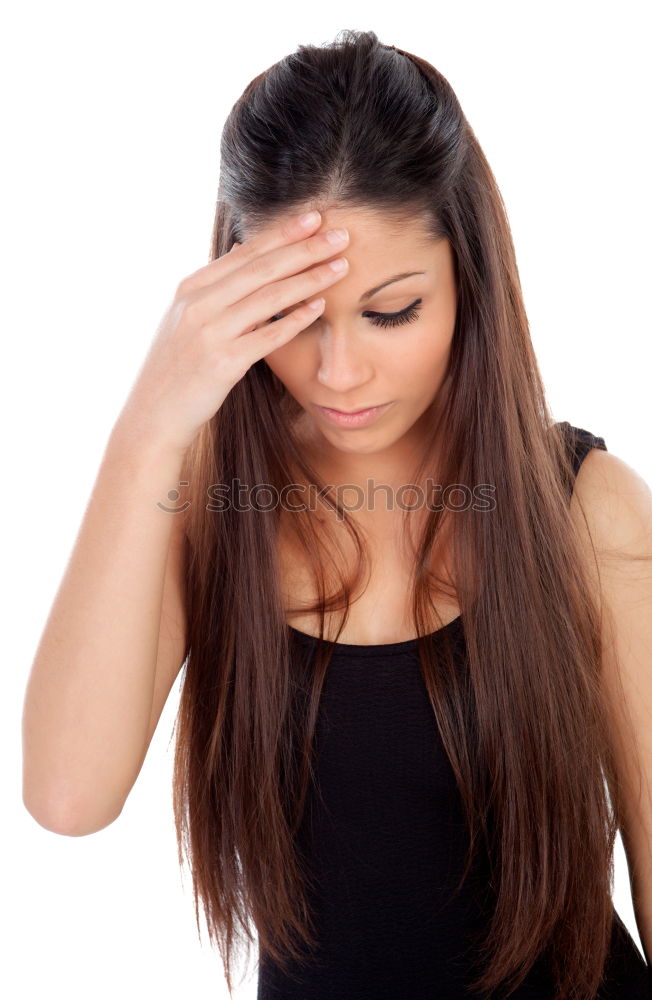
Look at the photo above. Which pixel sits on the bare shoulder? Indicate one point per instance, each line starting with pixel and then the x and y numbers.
pixel 613 501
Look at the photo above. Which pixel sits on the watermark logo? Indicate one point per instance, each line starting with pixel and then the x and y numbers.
pixel 294 497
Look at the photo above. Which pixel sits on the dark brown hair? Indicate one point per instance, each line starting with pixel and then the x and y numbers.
pixel 361 124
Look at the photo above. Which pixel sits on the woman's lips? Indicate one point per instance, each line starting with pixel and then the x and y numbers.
pixel 358 419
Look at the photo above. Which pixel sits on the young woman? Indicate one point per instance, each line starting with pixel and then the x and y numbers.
pixel 413 609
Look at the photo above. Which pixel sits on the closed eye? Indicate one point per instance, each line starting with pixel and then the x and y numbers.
pixel 406 315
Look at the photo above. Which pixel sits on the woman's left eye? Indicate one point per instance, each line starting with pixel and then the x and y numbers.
pixel 406 315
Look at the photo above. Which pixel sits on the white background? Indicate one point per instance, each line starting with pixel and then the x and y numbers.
pixel 112 115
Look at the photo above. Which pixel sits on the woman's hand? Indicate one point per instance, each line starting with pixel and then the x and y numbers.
pixel 217 326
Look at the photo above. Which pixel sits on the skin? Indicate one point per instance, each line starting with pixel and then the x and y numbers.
pixel 343 361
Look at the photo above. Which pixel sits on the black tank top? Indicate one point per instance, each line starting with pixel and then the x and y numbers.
pixel 386 840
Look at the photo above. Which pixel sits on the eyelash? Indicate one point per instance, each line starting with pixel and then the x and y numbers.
pixel 407 315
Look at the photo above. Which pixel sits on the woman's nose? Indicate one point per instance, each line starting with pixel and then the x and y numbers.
pixel 341 365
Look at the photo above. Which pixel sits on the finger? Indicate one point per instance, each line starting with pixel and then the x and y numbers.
pixel 271 335
pixel 279 279
pixel 288 231
pixel 290 292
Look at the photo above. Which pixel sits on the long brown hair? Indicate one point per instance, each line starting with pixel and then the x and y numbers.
pixel 363 124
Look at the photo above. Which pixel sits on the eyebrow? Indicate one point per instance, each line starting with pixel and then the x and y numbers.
pixel 397 277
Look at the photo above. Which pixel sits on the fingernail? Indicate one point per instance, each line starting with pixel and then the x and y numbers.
pixel 337 235
pixel 308 219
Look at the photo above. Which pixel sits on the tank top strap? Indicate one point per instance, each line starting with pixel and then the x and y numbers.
pixel 580 442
